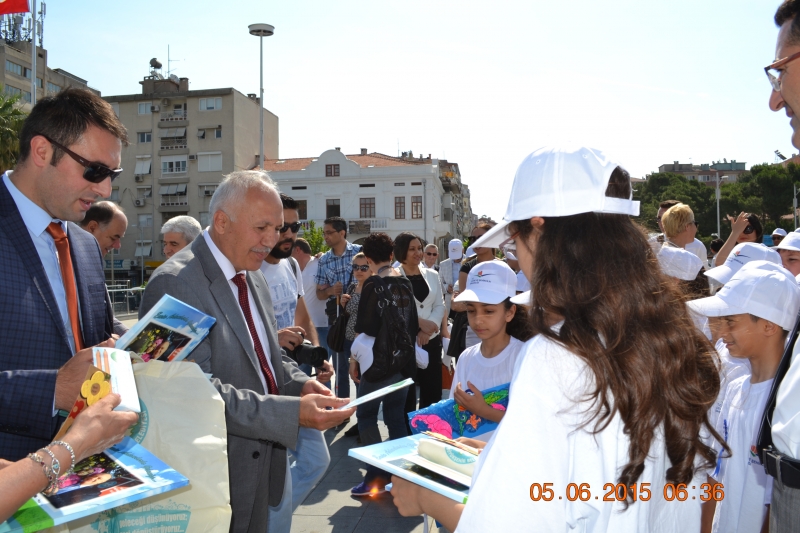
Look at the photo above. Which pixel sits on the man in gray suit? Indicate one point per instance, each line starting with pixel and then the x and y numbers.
pixel 267 398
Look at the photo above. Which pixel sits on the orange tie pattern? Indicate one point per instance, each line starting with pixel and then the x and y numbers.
pixel 68 276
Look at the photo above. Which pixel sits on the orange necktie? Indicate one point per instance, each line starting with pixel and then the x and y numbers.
pixel 68 276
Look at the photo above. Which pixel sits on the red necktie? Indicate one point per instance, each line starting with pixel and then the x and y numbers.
pixel 68 277
pixel 244 303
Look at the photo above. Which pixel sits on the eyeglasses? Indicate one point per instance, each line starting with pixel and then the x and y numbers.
pixel 360 268
pixel 696 225
pixel 472 238
pixel 330 232
pixel 774 71
pixel 294 227
pixel 434 254
pixel 748 230
pixel 93 172
pixel 509 245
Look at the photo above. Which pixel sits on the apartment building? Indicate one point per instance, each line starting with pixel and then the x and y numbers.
pixel 707 173
pixel 182 143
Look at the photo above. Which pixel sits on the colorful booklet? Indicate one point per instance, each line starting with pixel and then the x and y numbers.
pixel 169 332
pixel 117 364
pixel 122 474
pixel 378 393
pixel 400 458
pixel 451 420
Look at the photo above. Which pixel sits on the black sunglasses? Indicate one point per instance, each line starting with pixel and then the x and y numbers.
pixel 360 268
pixel 93 171
pixel 471 239
pixel 431 253
pixel 294 227
pixel 748 230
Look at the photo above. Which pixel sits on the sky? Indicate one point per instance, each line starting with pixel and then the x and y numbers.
pixel 477 83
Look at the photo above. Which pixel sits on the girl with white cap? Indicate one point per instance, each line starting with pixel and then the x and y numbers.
pixel 610 397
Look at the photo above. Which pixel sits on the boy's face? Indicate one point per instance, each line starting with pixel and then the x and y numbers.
pixel 791 261
pixel 741 335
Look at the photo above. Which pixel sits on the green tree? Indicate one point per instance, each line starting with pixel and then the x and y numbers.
pixel 11 119
pixel 315 238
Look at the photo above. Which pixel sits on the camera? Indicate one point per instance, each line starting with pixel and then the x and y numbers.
pixel 308 354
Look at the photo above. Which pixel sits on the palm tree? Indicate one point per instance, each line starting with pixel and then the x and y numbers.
pixel 11 118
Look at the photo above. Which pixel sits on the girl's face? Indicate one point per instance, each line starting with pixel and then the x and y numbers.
pixel 415 253
pixel 359 273
pixel 487 320
pixel 524 251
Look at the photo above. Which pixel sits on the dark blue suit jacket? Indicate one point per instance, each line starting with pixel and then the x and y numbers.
pixel 33 340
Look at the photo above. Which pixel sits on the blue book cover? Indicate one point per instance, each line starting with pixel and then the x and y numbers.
pixel 399 457
pixel 122 474
pixel 449 419
pixel 169 332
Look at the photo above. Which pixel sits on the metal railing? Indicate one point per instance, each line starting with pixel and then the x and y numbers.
pixel 173 143
pixel 177 114
pixel 126 301
pixel 177 199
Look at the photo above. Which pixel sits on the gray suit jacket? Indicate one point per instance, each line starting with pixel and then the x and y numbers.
pixel 260 426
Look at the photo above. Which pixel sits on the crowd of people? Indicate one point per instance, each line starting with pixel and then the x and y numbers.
pixel 635 362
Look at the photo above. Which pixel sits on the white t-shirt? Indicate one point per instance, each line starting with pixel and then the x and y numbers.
pixel 284 289
pixel 786 417
pixel 699 249
pixel 315 306
pixel 538 441
pixel 748 488
pixel 732 367
pixel 486 372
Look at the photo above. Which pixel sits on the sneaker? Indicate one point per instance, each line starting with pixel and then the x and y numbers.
pixel 352 432
pixel 362 489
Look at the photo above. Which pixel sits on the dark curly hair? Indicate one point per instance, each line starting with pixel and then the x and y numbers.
pixel 378 247
pixel 627 321
pixel 401 244
pixel 787 11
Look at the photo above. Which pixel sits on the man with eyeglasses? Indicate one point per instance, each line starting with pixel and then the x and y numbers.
pixel 283 275
pixel 779 438
pixel 53 303
pixel 431 256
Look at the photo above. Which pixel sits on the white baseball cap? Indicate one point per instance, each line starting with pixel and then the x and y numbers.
pixel 522 282
pixel 455 250
pixel 790 242
pixel 760 288
pixel 490 282
pixel 558 182
pixel 470 252
pixel 741 255
pixel 679 263
pixel 779 231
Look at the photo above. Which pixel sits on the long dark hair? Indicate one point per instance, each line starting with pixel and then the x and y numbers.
pixel 628 322
pixel 520 326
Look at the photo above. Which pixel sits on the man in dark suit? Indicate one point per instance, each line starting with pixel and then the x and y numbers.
pixel 53 302
pixel 267 398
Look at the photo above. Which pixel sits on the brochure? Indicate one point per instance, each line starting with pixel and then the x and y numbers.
pixel 449 419
pixel 168 332
pixel 117 364
pixel 122 474
pixel 400 458
pixel 378 393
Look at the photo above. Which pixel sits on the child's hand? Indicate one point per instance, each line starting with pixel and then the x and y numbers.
pixel 471 402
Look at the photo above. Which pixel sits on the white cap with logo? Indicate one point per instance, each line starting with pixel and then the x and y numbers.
pixel 455 250
pixel 760 288
pixel 679 263
pixel 558 182
pixel 741 255
pixel 490 282
pixel 779 231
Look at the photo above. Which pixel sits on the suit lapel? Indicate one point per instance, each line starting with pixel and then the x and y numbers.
pixel 260 291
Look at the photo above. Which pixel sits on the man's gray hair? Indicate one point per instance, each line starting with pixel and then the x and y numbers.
pixel 185 225
pixel 431 245
pixel 232 190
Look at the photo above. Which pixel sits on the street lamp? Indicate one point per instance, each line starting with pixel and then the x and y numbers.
pixel 718 221
pixel 261 31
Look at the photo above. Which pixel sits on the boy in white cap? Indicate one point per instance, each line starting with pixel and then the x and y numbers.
pixel 789 248
pixel 758 305
pixel 778 235
pixel 448 270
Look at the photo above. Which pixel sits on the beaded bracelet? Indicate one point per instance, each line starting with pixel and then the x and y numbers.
pixel 48 472
pixel 71 454
pixel 55 465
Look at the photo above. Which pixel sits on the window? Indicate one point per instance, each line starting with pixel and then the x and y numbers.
pixel 210 104
pixel 145 137
pixel 207 190
pixel 144 107
pixel 114 194
pixel 416 183
pixel 27 72
pixel 218 133
pixel 399 207
pixel 366 207
pixel 366 184
pixel 177 189
pixel 416 207
pixel 13 91
pixel 146 221
pixel 173 165
pixel 399 184
pixel 302 209
pixel 204 219
pixel 142 166
pixel 115 107
pixel 300 188
pixel 209 162
pixel 144 192
pixel 144 249
pixel 39 83
pixel 53 88
pixel 13 67
pixel 331 170
pixel 332 208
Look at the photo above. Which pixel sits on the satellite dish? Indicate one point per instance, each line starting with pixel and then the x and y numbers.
pixel 155 63
pixel 174 78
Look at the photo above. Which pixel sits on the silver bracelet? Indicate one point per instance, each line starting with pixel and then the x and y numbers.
pixel 52 480
pixel 55 465
pixel 71 454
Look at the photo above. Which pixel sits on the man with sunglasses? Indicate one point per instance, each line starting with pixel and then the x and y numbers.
pixel 53 303
pixel 779 437
pixel 431 256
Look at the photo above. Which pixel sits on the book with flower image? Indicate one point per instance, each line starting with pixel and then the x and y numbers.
pixel 122 474
pixel 168 332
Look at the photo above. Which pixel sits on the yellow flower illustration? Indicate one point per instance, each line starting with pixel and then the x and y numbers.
pixel 95 388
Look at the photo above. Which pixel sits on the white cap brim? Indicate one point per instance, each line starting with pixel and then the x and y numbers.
pixel 714 306
pixel 484 297
pixel 523 298
pixel 721 274
pixel 493 237
pixel 781 246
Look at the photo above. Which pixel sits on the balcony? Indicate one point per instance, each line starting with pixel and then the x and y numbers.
pixel 170 200
pixel 173 143
pixel 174 115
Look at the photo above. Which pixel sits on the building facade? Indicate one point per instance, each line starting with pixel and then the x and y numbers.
pixel 377 193
pixel 182 143
pixel 707 173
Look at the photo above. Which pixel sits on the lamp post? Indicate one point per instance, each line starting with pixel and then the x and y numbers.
pixel 718 221
pixel 261 31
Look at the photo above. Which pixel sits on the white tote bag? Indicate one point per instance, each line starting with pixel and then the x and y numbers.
pixel 182 423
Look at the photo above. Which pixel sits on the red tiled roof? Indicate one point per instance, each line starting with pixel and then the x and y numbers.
pixel 374 159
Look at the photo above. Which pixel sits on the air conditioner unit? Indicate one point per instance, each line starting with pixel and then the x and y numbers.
pixel 134 263
pixel 154 109
pixel 138 178
pixel 192 157
pixel 138 202
pixel 208 192
pixel 165 102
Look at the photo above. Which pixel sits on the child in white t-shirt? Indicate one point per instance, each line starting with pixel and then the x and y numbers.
pixel 502 328
pixel 757 307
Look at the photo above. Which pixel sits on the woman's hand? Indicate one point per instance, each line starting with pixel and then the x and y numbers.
pixel 423 339
pixel 99 427
pixel 739 224
pixel 471 402
pixel 428 327
pixel 354 370
pixel 475 443
pixel 345 299
pixel 407 497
